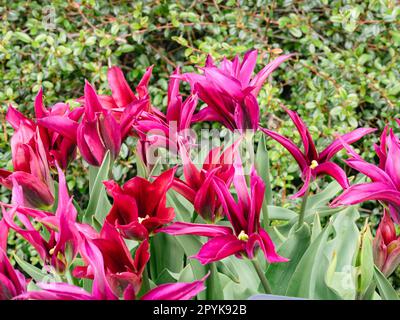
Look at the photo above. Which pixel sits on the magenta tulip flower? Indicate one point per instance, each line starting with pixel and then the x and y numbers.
pixel 58 148
pixel 198 186
pixel 385 179
pixel 12 282
pixel 122 272
pixel 386 246
pixel 230 91
pixel 140 206
pixel 245 233
pixel 31 169
pixel 60 249
pixel 311 162
pixel 173 129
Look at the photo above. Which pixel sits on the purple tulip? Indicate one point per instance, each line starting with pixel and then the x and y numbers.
pixel 230 91
pixel 245 233
pixel 311 162
pixel 31 168
pixel 198 186
pixel 58 148
pixel 385 178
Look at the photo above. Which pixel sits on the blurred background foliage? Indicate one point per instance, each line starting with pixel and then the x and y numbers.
pixel 346 73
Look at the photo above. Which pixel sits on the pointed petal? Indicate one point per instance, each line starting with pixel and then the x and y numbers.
pixel 333 170
pixel 121 92
pixel 60 124
pixel 262 76
pixel 288 145
pixel 176 291
pixel 336 145
pixel 219 248
pixel 184 228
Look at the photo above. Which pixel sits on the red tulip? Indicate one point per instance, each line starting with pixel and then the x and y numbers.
pixel 386 246
pixel 140 206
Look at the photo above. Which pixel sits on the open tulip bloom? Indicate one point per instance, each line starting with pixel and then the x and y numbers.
pixel 199 226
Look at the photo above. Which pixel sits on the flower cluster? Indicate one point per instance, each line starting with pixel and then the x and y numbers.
pixel 113 255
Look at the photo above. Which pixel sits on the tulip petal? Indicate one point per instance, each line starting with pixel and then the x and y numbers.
pixel 289 146
pixel 333 170
pixel 337 145
pixel 206 230
pixel 219 248
pixel 121 92
pixel 176 291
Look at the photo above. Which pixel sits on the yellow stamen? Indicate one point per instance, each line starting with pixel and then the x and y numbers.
pixel 314 164
pixel 141 219
pixel 243 236
pixel 51 251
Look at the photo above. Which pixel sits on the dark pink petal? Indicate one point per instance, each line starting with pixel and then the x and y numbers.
pixel 176 291
pixel 15 118
pixel 92 102
pixel 121 92
pixel 337 145
pixel 258 81
pixel 309 147
pixel 226 84
pixel 306 178
pixel 206 230
pixel 290 146
pixel 219 248
pixel 375 173
pixel 257 190
pixel 60 124
pixel 269 248
pixel 142 257
pixel 56 291
pixel 40 109
pixel 333 170
pixel 247 67
pixel 91 254
pixel 142 88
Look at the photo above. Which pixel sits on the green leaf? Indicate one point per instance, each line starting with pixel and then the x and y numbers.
pixel 308 280
pixel 191 246
pixel 213 284
pixel 280 213
pixel 34 272
pixel 23 37
pixel 99 205
pixel 279 274
pixel 166 253
pixel 262 167
pixel 386 291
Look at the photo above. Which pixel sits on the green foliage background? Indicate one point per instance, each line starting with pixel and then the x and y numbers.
pixel 346 73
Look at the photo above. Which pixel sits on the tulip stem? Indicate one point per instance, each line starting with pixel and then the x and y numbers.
pixel 303 208
pixel 261 275
pixel 145 279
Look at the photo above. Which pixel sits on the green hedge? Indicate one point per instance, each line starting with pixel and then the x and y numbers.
pixel 346 73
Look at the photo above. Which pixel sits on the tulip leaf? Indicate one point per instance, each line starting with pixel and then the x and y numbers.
pixel 366 261
pixel 213 284
pixel 99 205
pixel 386 291
pixel 183 209
pixel 34 272
pixel 166 253
pixel 308 280
pixel 248 284
pixel 279 274
pixel 280 213
pixel 262 167
pixel 323 197
pixel 191 246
